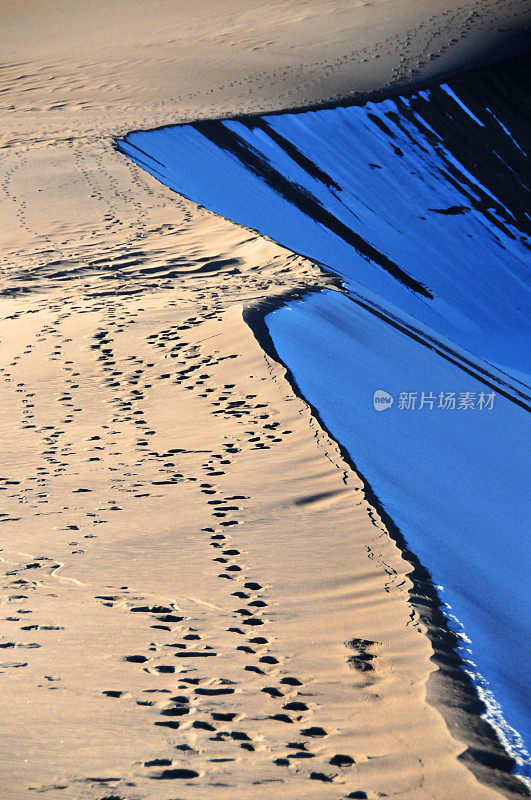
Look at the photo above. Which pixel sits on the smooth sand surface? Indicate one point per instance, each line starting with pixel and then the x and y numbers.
pixel 95 67
pixel 193 579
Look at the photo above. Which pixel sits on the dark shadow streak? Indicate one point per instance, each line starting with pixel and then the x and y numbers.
pixel 298 196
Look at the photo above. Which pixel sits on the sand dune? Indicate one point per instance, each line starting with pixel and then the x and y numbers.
pixel 181 536
pixel 193 578
pixel 108 68
pixel 416 203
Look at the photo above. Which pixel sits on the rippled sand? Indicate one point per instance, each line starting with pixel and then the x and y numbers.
pixel 194 581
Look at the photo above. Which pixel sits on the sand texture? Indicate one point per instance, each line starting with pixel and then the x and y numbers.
pixel 198 597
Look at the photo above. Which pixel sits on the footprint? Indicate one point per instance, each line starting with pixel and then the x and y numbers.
pixel 176 774
pixel 341 761
pixel 363 657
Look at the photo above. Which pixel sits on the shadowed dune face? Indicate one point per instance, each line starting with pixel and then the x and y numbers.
pixel 418 203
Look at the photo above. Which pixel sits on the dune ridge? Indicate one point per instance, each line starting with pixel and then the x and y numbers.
pixel 416 204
